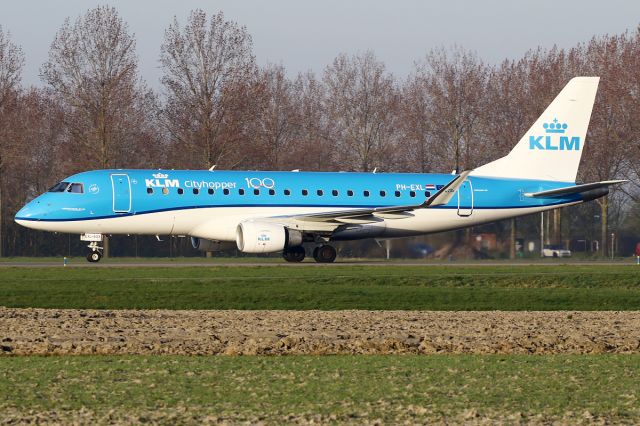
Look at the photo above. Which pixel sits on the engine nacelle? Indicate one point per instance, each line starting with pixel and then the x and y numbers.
pixel 209 245
pixel 265 237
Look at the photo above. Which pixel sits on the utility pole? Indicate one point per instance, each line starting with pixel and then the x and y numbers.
pixel 541 232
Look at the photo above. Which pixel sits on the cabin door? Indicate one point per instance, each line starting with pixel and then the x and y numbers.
pixel 465 199
pixel 121 192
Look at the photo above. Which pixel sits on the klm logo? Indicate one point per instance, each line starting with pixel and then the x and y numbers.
pixel 554 140
pixel 263 238
pixel 161 180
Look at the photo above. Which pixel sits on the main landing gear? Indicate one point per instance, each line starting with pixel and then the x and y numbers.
pixel 322 254
pixel 95 252
pixel 294 254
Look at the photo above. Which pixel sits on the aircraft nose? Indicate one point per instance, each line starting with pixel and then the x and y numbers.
pixel 29 213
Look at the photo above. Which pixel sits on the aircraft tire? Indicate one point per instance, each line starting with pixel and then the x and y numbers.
pixel 294 254
pixel 94 256
pixel 325 254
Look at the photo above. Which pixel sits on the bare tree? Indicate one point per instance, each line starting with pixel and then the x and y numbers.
pixel 207 64
pixel 92 72
pixel 455 82
pixel 611 127
pixel 11 63
pixel 415 122
pixel 276 120
pixel 311 147
pixel 361 101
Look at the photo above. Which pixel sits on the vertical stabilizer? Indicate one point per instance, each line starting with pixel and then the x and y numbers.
pixel 552 147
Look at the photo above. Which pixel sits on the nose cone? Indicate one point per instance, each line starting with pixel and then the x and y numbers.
pixel 29 214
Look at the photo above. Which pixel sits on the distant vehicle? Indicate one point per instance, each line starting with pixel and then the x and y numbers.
pixel 555 250
pixel 265 212
pixel 421 249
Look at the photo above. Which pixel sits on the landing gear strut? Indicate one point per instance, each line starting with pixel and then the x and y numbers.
pixel 324 254
pixel 95 254
pixel 294 254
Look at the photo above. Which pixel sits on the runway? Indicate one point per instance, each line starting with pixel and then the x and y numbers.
pixel 169 263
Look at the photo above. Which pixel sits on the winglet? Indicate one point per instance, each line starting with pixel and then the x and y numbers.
pixel 446 193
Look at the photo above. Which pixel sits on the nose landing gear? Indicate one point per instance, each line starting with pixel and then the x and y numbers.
pixel 95 253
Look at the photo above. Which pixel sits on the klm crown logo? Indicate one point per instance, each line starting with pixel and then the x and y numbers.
pixel 555 127
pixel 160 175
pixel 557 143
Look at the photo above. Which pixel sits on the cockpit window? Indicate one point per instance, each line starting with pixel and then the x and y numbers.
pixel 59 187
pixel 76 188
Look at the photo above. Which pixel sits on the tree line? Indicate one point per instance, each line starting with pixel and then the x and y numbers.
pixel 216 106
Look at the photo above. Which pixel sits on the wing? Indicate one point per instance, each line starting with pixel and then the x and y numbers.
pixel 331 219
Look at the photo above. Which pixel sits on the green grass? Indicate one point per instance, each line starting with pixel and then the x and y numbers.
pixel 326 287
pixel 340 388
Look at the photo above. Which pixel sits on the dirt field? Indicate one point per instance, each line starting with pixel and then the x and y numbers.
pixel 58 331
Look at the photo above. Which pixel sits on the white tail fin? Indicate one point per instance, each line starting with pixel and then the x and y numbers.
pixel 552 147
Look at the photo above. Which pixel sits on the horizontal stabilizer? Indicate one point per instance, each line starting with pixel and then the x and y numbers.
pixel 577 189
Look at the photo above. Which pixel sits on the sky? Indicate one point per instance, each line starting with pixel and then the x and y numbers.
pixel 307 35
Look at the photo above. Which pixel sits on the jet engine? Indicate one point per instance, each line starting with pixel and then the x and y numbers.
pixel 265 237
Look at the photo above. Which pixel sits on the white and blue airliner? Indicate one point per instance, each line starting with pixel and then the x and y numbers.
pixel 262 212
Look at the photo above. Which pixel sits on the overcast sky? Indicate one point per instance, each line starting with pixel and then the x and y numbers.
pixel 305 35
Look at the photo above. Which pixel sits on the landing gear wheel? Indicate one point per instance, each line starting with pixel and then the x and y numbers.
pixel 94 256
pixel 324 254
pixel 294 254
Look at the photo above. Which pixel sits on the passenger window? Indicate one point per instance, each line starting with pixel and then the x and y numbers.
pixel 210 191
pixel 397 193
pixel 365 193
pixel 241 191
pixel 149 190
pixel 305 192
pixel 165 191
pixel 427 194
pixel 196 191
pixel 350 193
pixel 412 193
pixel 272 192
pixel 75 188
pixel 334 193
pixel 287 192
pixel 180 191
pixel 383 194
pixel 320 192
pixel 225 191
pixel 256 192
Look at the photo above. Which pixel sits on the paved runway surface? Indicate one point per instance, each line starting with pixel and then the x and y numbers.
pixel 81 263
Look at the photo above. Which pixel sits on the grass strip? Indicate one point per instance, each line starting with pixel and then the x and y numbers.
pixel 340 388
pixel 568 287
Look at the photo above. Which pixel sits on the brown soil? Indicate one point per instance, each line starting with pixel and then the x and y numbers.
pixel 67 331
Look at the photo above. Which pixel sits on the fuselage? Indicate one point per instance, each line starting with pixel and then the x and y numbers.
pixel 211 204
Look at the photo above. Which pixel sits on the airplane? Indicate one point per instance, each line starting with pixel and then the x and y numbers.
pixel 275 211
